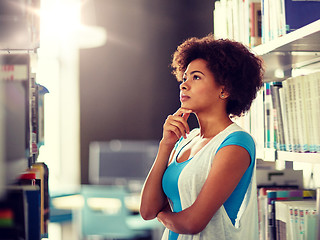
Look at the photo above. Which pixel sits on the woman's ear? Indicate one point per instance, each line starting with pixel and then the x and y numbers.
pixel 224 94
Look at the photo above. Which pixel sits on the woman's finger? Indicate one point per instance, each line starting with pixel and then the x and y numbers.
pixel 174 123
pixel 183 120
pixel 181 127
pixel 181 111
pixel 175 131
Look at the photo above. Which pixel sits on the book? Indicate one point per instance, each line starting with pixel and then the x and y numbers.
pixel 287 92
pixel 285 16
pixel 314 111
pixel 257 123
pixel 42 90
pixel 265 21
pixel 293 113
pixel 299 113
pixel 311 227
pixel 299 13
pixel 271 179
pixel 14 214
pixel 287 195
pixel 263 211
pixel 268 116
pixel 14 73
pixel 22 213
pixel 42 172
pixel 27 182
pixel 292 219
pixel 286 124
pixel 33 202
pixel 255 24
pixel 220 22
pixel 238 20
pixel 278 116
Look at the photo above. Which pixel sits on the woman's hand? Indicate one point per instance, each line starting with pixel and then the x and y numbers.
pixel 176 126
pixel 153 199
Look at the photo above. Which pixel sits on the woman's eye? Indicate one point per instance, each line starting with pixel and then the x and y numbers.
pixel 196 77
pixel 184 79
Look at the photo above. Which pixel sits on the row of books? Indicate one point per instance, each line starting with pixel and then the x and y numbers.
pixel 22 107
pixel 239 20
pixel 24 208
pixel 286 212
pixel 280 17
pixel 296 219
pixel 259 21
pixel 20 213
pixel 292 114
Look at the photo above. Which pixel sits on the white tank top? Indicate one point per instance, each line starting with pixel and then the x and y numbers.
pixel 220 226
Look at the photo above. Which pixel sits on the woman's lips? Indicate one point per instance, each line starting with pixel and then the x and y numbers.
pixel 184 98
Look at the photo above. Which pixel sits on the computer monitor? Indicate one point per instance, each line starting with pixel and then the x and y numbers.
pixel 121 162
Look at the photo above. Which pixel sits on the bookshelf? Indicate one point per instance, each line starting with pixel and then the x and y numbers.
pixel 299 49
pixel 23 182
pixel 291 83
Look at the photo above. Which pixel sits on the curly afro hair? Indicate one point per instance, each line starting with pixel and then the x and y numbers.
pixel 233 65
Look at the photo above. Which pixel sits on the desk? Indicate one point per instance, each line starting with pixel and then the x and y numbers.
pixel 76 201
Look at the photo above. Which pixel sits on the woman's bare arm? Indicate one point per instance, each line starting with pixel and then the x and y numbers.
pixel 153 199
pixel 228 167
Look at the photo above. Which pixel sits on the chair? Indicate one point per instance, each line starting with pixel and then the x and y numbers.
pixel 105 215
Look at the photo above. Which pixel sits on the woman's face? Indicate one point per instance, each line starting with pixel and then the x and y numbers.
pixel 199 90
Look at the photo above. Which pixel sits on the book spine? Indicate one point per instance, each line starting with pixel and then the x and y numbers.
pixel 278 116
pixel 309 113
pixel 268 116
pixel 292 113
pixel 314 80
pixel 287 115
pixel 286 128
pixel 275 118
pixel 300 114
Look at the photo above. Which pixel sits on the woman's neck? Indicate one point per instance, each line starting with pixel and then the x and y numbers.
pixel 211 125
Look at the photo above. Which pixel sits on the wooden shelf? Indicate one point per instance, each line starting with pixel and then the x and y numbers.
pixel 299 157
pixel 270 154
pixel 296 50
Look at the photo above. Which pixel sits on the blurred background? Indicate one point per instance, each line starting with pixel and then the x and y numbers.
pixel 85 87
pixel 104 67
pixel 110 79
pixel 126 85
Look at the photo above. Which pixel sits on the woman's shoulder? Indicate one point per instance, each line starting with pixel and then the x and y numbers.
pixel 234 127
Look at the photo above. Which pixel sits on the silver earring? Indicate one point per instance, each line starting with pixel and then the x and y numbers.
pixel 222 96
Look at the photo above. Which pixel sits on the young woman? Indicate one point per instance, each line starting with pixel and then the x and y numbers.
pixel 202 183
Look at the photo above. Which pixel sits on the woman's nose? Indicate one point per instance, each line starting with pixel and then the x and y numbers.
pixel 184 86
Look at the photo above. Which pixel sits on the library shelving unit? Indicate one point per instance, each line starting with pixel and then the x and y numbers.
pixel 299 49
pixel 296 50
pixel 23 180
